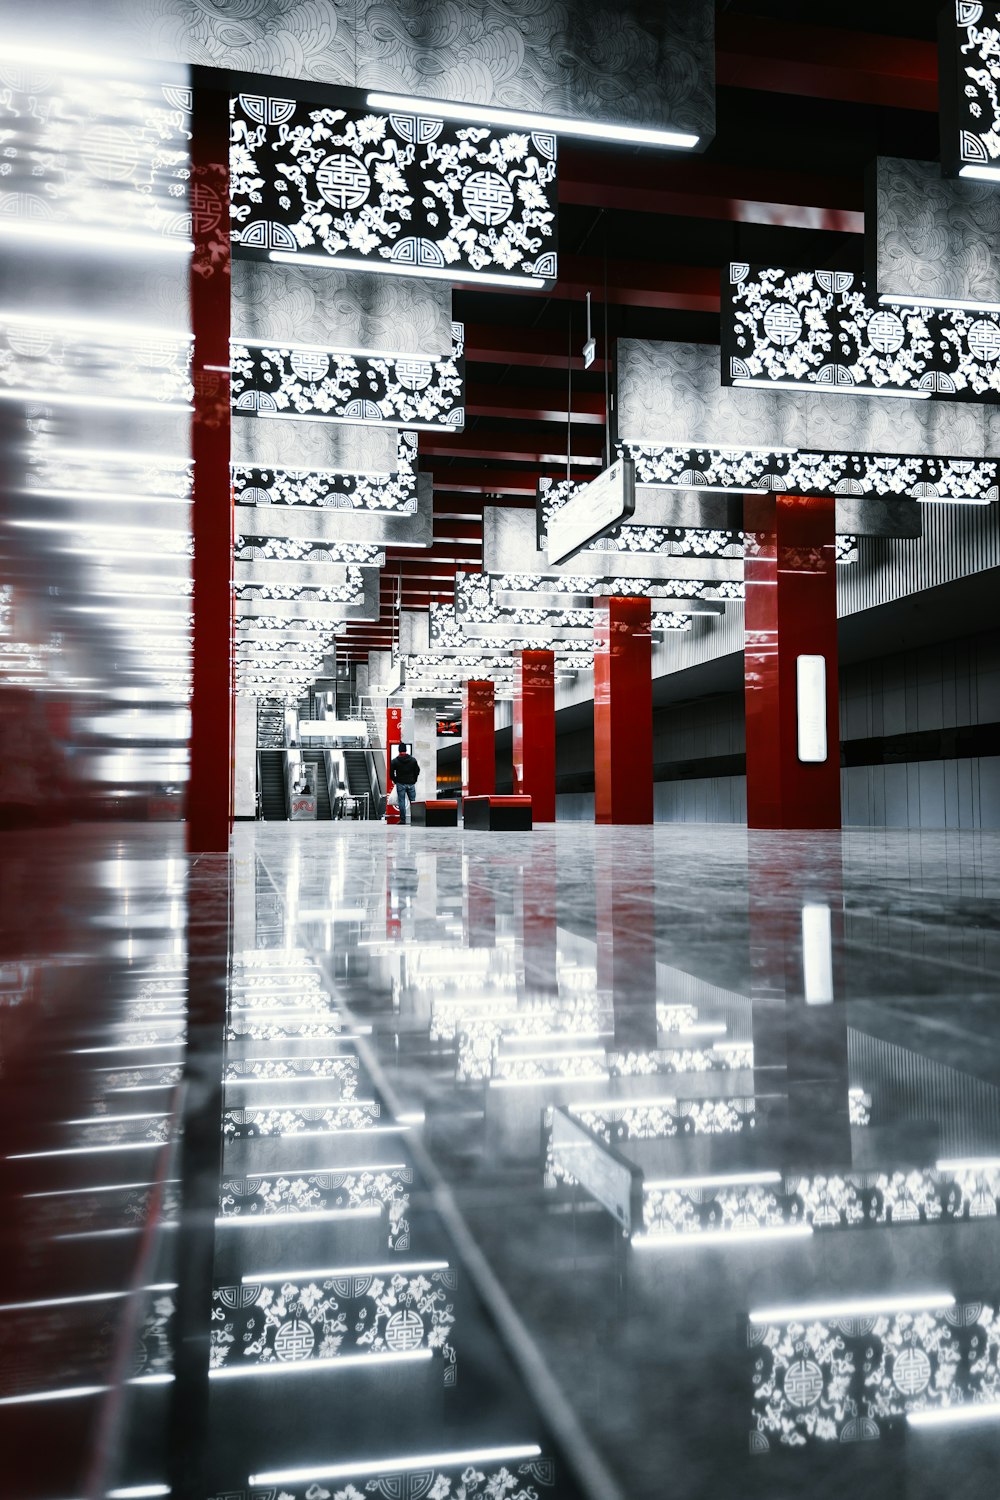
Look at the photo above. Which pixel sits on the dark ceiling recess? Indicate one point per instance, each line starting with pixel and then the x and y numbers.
pixel 802 110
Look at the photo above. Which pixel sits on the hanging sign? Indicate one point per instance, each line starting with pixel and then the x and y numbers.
pixel 603 503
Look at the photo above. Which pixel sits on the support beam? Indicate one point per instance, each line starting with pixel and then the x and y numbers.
pixel 534 736
pixel 210 789
pixel 623 711
pixel 792 711
pixel 478 741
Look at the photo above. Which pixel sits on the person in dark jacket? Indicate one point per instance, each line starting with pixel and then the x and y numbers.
pixel 404 771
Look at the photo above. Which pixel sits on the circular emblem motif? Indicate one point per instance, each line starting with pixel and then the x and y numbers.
pixel 886 333
pixel 804 1383
pixel 414 374
pixel 984 340
pixel 487 198
pixel 404 1332
pixel 294 1340
pixel 343 181
pixel 109 152
pixel 206 209
pixel 33 342
pixel 309 364
pixel 782 323
pixel 911 1371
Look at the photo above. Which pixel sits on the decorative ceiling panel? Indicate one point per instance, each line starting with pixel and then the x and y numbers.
pixel 292 549
pixel 742 440
pixel 929 236
pixel 822 329
pixel 400 192
pixel 333 489
pixel 331 309
pixel 282 381
pixel 625 62
pixel 316 447
pixel 510 545
pixel 404 527
pixel 969 81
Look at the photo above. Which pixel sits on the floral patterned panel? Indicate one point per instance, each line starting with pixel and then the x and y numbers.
pixel 292 1193
pixel 824 329
pixel 852 1379
pixel 513 1480
pixel 279 380
pixel 666 1118
pixel 969 71
pixel 410 191
pixel 250 1124
pixel 380 1313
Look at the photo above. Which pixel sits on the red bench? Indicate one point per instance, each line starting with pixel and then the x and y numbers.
pixel 506 814
pixel 441 812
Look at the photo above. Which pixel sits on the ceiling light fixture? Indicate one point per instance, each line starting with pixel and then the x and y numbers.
pixel 522 119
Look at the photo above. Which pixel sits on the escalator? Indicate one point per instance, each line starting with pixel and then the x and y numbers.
pixel 273 802
pixel 356 768
pixel 316 758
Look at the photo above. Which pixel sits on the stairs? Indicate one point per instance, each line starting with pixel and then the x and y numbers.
pixel 356 768
pixel 323 808
pixel 272 786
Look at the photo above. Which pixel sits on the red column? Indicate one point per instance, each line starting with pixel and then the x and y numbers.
pixel 393 735
pixel 793 779
pixel 478 742
pixel 210 789
pixel 535 731
pixel 623 712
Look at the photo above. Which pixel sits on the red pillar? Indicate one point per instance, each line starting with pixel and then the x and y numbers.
pixel 623 712
pixel 535 731
pixel 793 778
pixel 478 743
pixel 393 736
pixel 210 788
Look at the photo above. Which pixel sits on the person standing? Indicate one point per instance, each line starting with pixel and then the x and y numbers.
pixel 404 771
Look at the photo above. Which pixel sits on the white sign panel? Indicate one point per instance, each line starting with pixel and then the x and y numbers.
pixel 810 702
pixel 601 504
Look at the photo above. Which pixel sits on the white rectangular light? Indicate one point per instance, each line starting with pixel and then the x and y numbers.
pixel 817 953
pixel 699 1239
pixel 326 1272
pixel 984 174
pixel 523 119
pixel 810 708
pixel 830 390
pixel 338 1362
pixel 858 1307
pixel 962 304
pixel 725 1179
pixel 456 1460
pixel 952 1416
pixel 461 278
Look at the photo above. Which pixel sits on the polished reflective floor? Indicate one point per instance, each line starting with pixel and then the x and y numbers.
pixel 586 1162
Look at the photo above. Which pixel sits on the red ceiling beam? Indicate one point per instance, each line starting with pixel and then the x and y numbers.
pixel 709 190
pixel 519 346
pixel 516 482
pixel 503 447
pixel 538 405
pixel 824 63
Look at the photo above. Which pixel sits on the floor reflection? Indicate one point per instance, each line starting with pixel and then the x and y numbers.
pixel 472 1167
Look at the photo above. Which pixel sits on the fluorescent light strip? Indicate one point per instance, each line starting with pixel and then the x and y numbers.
pixel 304 1366
pixel 90 1150
pixel 830 390
pixel 70 232
pixel 72 1392
pixel 107 1187
pixel 984 174
pixel 139 1492
pixel 291 1216
pixel 968 1164
pixel 100 403
pixel 455 1460
pixel 705 489
pixel 952 1416
pixel 330 1271
pixel 720 1237
pixel 352 263
pixel 860 1307
pixel 524 119
pixel 102 331
pixel 952 500
pixel 959 304
pixel 294 346
pixel 725 1179
pixel 163 1286
pixel 314 416
pixel 160 1114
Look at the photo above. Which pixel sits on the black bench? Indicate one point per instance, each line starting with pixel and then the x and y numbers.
pixel 505 814
pixel 441 812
